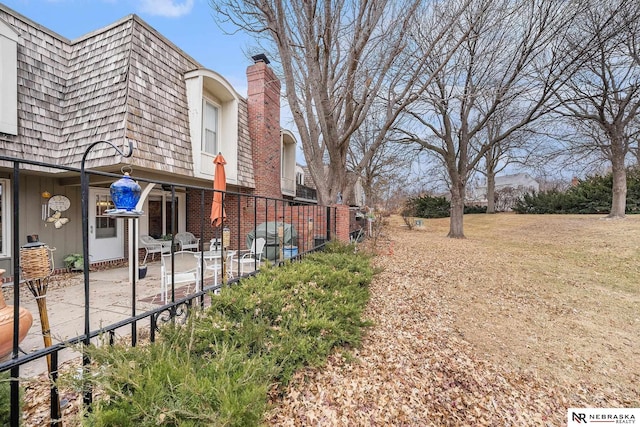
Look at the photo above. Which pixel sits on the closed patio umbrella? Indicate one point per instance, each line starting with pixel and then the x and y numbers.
pixel 219 185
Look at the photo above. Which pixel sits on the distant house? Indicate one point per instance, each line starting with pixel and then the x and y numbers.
pixel 127 83
pixel 518 184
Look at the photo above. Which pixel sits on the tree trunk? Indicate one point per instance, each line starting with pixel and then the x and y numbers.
pixel 619 201
pixel 491 192
pixel 456 227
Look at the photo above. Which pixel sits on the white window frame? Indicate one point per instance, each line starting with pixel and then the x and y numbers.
pixel 206 84
pixel 5 201
pixel 287 163
pixel 8 79
pixel 205 103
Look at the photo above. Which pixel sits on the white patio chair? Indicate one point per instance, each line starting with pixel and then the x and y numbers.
pixel 213 264
pixel 186 269
pixel 187 241
pixel 153 246
pixel 254 256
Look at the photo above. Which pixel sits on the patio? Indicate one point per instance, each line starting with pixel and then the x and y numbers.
pixel 110 302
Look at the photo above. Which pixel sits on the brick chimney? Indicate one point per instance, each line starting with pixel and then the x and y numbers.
pixel 263 103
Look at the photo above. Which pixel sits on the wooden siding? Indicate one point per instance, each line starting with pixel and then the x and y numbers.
pixel 95 98
pixel 42 64
pixel 158 118
pixel 124 81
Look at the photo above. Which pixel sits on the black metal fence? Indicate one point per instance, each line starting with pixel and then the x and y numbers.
pixel 299 228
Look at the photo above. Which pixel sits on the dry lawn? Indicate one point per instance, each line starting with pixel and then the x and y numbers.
pixel 528 316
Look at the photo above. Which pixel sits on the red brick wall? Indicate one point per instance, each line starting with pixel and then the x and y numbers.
pixel 193 209
pixel 263 103
pixel 193 214
pixel 342 223
pixel 310 223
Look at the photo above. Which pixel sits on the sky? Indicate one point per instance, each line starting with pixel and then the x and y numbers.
pixel 189 24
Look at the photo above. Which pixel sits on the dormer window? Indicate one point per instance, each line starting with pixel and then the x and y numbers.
pixel 210 128
pixel 213 120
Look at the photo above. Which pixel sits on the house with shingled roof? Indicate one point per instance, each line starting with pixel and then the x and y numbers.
pixel 126 83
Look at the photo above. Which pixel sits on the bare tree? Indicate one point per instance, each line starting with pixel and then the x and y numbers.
pixel 506 198
pixel 502 152
pixel 513 59
pixel 337 58
pixel 389 164
pixel 602 100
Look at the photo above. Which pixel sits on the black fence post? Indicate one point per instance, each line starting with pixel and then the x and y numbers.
pixel 328 223
pixel 15 372
pixel 56 415
pixel 84 201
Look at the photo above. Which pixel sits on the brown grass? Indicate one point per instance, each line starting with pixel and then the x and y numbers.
pixel 528 316
pixel 556 295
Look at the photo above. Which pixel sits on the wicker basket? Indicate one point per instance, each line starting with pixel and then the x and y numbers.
pixel 35 262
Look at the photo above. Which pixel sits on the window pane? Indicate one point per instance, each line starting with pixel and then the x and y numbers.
pixel 105 225
pixel 210 141
pixel 210 129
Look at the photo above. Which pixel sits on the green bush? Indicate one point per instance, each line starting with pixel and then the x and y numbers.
pixel 475 209
pixel 74 261
pixel 166 384
pixel 218 368
pixel 434 207
pixel 593 195
pixel 431 207
pixel 5 399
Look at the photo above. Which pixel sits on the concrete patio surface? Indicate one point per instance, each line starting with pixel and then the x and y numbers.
pixel 110 297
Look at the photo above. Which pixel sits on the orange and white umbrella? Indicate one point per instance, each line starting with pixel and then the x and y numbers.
pixel 218 214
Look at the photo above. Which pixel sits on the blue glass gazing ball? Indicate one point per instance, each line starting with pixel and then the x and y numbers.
pixel 125 193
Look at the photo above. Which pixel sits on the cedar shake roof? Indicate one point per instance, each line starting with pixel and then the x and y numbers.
pixel 124 81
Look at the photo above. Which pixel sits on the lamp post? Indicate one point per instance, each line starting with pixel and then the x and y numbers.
pixel 84 198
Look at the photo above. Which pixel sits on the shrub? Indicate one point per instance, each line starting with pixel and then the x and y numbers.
pixel 475 209
pixel 593 195
pixel 432 207
pixel 165 384
pixel 74 261
pixel 426 207
pixel 5 398
pixel 218 368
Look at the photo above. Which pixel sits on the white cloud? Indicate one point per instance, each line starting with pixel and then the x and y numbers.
pixel 168 8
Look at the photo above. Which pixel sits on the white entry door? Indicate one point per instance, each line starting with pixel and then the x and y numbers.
pixel 106 234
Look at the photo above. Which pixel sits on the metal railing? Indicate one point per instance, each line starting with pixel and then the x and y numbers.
pixel 306 193
pixel 309 227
